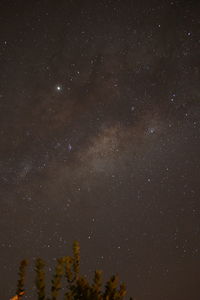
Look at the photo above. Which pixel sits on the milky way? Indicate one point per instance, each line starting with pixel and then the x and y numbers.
pixel 99 127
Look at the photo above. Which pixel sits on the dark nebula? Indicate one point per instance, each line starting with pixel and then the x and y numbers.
pixel 100 140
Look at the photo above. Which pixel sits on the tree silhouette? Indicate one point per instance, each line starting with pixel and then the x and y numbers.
pixel 68 279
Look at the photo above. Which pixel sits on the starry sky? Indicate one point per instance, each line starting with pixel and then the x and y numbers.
pixel 99 130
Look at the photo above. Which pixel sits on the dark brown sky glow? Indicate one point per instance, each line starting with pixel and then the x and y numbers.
pixel 99 127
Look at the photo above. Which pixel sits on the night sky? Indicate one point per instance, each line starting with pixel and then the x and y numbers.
pixel 100 140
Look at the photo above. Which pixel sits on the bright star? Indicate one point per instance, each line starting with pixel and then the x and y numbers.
pixel 151 130
pixel 58 88
pixel 69 147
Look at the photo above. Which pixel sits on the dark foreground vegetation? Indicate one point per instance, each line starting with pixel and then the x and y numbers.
pixel 68 282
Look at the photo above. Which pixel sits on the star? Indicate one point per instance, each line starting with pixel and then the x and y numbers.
pixel 151 130
pixel 58 88
pixel 69 147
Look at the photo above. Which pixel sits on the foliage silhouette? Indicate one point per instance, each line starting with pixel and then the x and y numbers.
pixel 40 278
pixel 76 287
pixel 20 283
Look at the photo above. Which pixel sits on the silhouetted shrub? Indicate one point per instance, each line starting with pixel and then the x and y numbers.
pixel 75 286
